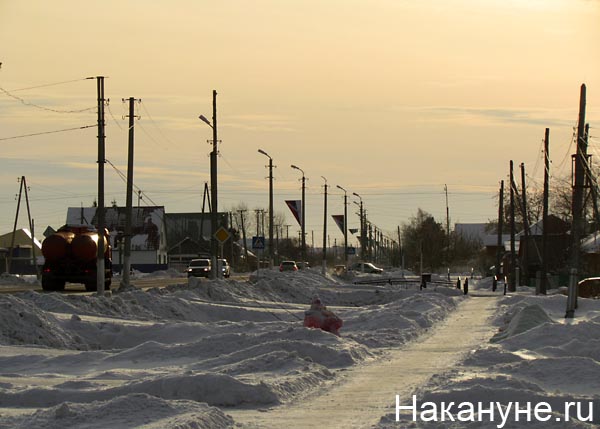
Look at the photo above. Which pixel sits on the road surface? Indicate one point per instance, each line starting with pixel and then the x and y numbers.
pixel 368 392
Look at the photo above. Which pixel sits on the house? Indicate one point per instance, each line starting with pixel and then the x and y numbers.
pixel 188 237
pixel 530 249
pixel 24 249
pixel 148 241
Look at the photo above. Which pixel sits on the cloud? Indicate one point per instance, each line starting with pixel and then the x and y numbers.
pixel 528 116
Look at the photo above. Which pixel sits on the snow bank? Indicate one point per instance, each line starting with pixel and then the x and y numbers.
pixel 132 410
pixel 536 357
pixel 169 354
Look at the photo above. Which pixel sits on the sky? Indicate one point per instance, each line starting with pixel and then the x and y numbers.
pixel 389 99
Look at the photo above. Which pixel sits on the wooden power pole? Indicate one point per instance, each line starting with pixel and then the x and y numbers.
pixel 513 260
pixel 500 243
pixel 577 206
pixel 129 203
pixel 544 279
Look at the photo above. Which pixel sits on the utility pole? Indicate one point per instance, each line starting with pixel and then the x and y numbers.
pixel 345 226
pixel 525 250
pixel 22 187
pixel 214 245
pixel 244 235
pixel 512 287
pixel 129 203
pixel 257 211
pixel 362 237
pixel 100 209
pixel 205 197
pixel 447 225
pixel 303 214
pixel 271 253
pixel 287 231
pixel 544 279
pixel 577 206
pixel 500 243
pixel 324 270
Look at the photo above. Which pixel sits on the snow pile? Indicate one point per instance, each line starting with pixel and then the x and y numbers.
pixel 536 357
pixel 124 412
pixel 166 357
pixel 10 280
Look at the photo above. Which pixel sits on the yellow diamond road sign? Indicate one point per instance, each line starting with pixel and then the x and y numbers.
pixel 222 235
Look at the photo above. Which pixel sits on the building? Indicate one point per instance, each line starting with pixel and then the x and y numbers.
pixel 24 250
pixel 148 241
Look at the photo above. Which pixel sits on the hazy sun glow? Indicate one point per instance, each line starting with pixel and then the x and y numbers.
pixel 390 99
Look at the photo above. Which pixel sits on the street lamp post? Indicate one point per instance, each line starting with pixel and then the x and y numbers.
pixel 270 206
pixel 345 226
pixel 302 223
pixel 324 271
pixel 214 249
pixel 362 228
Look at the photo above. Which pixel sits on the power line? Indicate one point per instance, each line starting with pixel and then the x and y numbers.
pixel 47 132
pixel 49 84
pixel 155 124
pixel 37 106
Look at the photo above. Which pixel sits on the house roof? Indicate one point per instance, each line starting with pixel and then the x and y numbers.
pixel 22 239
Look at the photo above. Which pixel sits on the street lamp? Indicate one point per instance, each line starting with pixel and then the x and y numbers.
pixel 362 227
pixel 302 224
pixel 325 228
pixel 345 225
pixel 270 205
pixel 214 250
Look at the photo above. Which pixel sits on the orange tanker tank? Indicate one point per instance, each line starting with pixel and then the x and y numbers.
pixel 71 256
pixel 56 246
pixel 84 247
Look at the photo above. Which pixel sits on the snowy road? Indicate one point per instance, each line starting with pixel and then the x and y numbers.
pixel 366 393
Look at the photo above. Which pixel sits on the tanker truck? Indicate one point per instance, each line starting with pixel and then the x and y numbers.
pixel 71 255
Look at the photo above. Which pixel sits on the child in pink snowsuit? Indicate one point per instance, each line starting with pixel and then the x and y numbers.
pixel 319 317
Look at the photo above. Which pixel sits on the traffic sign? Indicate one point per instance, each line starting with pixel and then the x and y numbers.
pixel 222 235
pixel 258 242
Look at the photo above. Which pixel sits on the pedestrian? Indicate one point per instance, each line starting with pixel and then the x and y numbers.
pixel 466 286
pixel 318 316
pixel 458 283
pixel 495 284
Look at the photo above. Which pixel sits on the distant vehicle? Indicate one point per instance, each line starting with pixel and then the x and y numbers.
pixel 288 266
pixel 225 268
pixel 366 267
pixel 71 256
pixel 302 265
pixel 199 268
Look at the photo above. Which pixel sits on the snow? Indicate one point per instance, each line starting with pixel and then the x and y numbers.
pixel 181 356
pixel 536 356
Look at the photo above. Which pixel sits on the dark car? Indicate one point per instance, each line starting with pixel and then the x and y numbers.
pixel 366 267
pixel 302 265
pixel 288 266
pixel 225 268
pixel 199 268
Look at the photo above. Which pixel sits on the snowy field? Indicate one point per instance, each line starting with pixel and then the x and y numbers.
pixel 182 356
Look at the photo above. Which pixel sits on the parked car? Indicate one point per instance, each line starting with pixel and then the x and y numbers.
pixel 302 265
pixel 225 268
pixel 288 266
pixel 199 268
pixel 366 267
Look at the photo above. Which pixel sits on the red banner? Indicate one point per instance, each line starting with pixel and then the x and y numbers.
pixel 296 209
pixel 339 221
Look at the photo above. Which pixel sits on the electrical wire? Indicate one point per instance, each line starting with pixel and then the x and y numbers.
pixel 47 132
pixel 155 124
pixel 50 84
pixel 37 106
